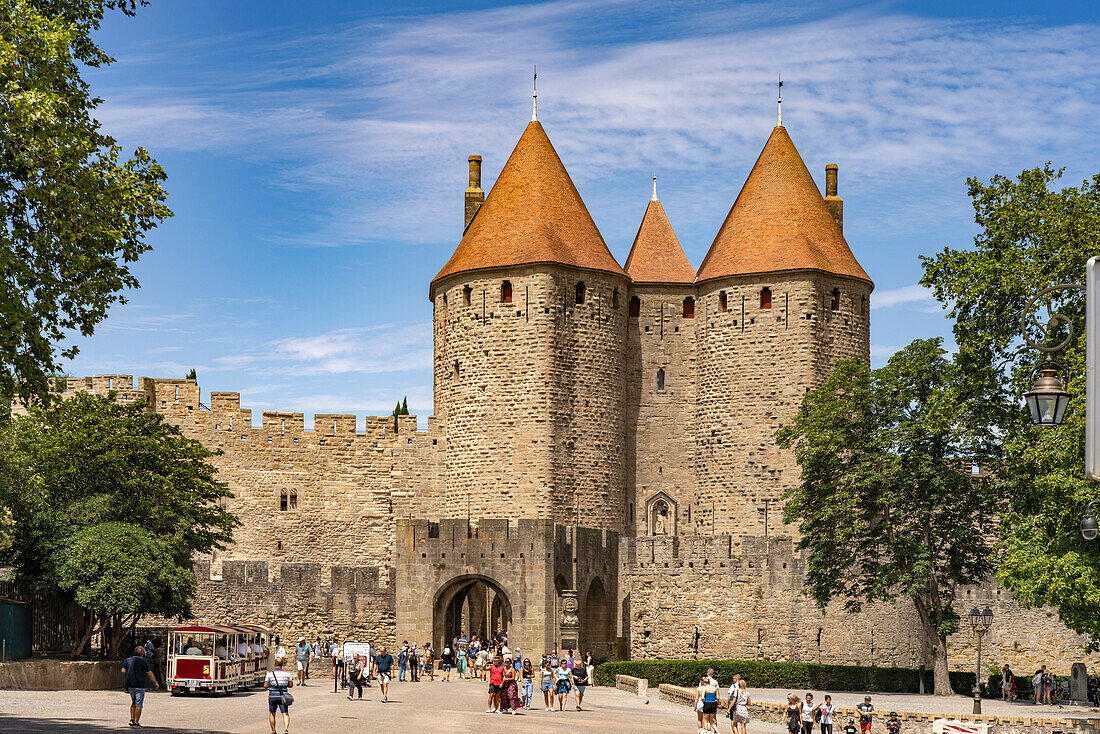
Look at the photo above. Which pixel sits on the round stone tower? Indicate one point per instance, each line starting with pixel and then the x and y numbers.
pixel 781 298
pixel 529 323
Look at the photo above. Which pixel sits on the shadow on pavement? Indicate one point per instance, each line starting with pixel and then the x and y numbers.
pixel 25 724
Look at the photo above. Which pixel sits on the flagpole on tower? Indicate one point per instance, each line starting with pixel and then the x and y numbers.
pixel 779 123
pixel 535 96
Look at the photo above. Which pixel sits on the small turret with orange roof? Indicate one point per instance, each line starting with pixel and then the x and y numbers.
pixel 533 214
pixel 656 255
pixel 779 222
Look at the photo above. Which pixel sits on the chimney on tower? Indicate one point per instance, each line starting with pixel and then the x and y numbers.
pixel 834 202
pixel 474 195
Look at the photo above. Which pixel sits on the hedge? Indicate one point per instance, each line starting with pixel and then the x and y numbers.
pixel 795 676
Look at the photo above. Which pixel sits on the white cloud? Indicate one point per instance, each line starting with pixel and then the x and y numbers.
pixel 404 99
pixel 901 296
pixel 368 350
pixel 883 351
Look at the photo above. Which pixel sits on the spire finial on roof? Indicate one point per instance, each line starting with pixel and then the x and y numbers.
pixel 779 122
pixel 654 197
pixel 535 96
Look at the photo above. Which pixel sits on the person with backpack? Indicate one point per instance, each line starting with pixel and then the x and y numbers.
pixel 278 683
pixel 866 714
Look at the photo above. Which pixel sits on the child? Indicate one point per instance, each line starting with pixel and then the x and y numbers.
pixel 850 728
pixel 892 724
pixel 866 711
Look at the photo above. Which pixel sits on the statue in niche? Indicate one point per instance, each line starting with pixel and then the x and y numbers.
pixel 660 519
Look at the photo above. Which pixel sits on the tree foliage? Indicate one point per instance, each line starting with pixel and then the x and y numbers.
pixel 1031 235
pixel 887 505
pixel 73 213
pixel 111 503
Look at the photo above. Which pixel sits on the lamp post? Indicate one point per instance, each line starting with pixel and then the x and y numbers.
pixel 980 622
pixel 1089 525
pixel 1047 399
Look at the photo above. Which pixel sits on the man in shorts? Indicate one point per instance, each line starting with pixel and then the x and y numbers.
pixel 302 651
pixel 383 667
pixel 137 672
pixel 496 685
pixel 866 714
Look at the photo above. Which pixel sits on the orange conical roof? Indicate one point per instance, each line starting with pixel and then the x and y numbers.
pixel 656 256
pixel 533 214
pixel 779 222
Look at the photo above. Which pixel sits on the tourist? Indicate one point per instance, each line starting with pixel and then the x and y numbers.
pixel 562 688
pixel 482 663
pixel 808 713
pixel 546 683
pixel 554 660
pixel 580 683
pixel 355 676
pixel 528 674
pixel 1008 683
pixel 427 661
pixel 302 651
pixel 460 659
pixel 138 671
pixel 793 714
pixel 316 654
pixel 706 697
pixel 414 664
pixel 825 715
pixel 893 725
pixel 402 662
pixel 278 683
pixel 383 667
pixel 517 661
pixel 509 694
pixel 731 700
pixel 850 727
pixel 569 659
pixel 496 684
pixel 590 666
pixel 280 651
pixel 866 714
pixel 740 720
pixel 446 660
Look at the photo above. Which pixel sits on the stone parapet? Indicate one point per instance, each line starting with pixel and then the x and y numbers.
pixel 61 675
pixel 918 722
pixel 630 684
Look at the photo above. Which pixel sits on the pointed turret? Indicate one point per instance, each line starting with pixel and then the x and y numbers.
pixel 533 214
pixel 779 222
pixel 656 256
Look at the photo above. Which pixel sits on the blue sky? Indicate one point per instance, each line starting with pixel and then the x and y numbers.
pixel 316 155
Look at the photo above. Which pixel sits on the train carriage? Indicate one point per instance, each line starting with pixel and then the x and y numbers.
pixel 204 658
pixel 255 653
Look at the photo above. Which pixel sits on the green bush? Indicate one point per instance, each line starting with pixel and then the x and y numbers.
pixel 795 676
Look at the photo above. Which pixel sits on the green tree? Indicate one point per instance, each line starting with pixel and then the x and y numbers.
pixel 73 213
pixel 93 485
pixel 192 375
pixel 887 506
pixel 1031 235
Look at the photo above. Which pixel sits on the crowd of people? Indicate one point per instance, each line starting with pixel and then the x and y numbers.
pixel 802 715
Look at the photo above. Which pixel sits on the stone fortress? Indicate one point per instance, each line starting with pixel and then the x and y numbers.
pixel 601 471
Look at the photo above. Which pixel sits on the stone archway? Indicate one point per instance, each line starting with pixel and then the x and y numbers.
pixel 598 625
pixel 468 605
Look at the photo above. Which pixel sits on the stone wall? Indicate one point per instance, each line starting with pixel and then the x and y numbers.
pixel 357 602
pixel 749 606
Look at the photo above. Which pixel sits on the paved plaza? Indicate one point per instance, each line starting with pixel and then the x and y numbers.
pixel 428 704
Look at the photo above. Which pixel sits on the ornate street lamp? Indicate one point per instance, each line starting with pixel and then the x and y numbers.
pixel 1047 399
pixel 1089 525
pixel 980 622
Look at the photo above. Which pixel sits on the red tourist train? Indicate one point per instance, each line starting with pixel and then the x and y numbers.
pixel 217 658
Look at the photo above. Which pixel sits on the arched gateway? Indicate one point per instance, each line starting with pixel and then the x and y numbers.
pixel 470 604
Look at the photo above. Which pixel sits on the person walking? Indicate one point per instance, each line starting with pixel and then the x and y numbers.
pixel 808 714
pixel 740 720
pixel 460 660
pixel 580 684
pixel 496 685
pixel 402 662
pixel 414 664
pixel 138 672
pixel 446 662
pixel 528 674
pixel 355 676
pixel 482 663
pixel 562 688
pixel 1008 684
pixel 707 693
pixel 546 683
pixel 792 714
pixel 278 683
pixel 866 714
pixel 825 718
pixel 383 668
pixel 427 661
pixel 590 666
pixel 302 651
pixel 509 695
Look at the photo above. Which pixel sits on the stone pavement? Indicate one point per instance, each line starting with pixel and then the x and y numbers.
pixel 428 707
